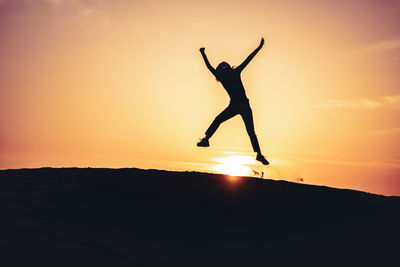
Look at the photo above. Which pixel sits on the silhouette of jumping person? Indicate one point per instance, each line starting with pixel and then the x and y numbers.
pixel 239 103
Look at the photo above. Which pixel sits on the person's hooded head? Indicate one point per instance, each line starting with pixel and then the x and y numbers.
pixel 224 71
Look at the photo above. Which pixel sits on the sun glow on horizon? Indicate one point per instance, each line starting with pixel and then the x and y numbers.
pixel 234 165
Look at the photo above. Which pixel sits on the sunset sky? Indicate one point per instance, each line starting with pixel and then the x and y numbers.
pixel 122 84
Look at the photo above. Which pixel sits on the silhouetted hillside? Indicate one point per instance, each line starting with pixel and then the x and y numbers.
pixel 133 217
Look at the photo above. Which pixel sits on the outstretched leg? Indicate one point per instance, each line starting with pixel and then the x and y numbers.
pixel 247 117
pixel 226 114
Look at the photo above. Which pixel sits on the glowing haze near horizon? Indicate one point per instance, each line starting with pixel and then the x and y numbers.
pixel 122 84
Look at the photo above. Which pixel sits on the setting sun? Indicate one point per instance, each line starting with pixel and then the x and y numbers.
pixel 234 165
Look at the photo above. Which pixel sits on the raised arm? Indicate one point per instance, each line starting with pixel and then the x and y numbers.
pixel 206 61
pixel 250 57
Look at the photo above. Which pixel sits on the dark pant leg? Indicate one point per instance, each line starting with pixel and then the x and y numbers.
pixel 247 116
pixel 225 115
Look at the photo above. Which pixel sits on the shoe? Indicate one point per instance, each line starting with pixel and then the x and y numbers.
pixel 262 159
pixel 203 142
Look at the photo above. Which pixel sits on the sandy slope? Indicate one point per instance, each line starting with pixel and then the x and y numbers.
pixel 133 217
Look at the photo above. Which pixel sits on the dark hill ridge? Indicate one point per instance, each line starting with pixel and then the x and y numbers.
pixel 134 217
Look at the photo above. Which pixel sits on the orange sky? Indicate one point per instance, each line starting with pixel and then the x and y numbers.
pixel 122 84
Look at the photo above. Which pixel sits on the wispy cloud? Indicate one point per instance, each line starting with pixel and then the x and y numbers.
pixel 92 12
pixel 379 46
pixel 294 157
pixel 385 102
pixel 391 131
pixel 353 162
pixel 81 8
pixel 34 2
